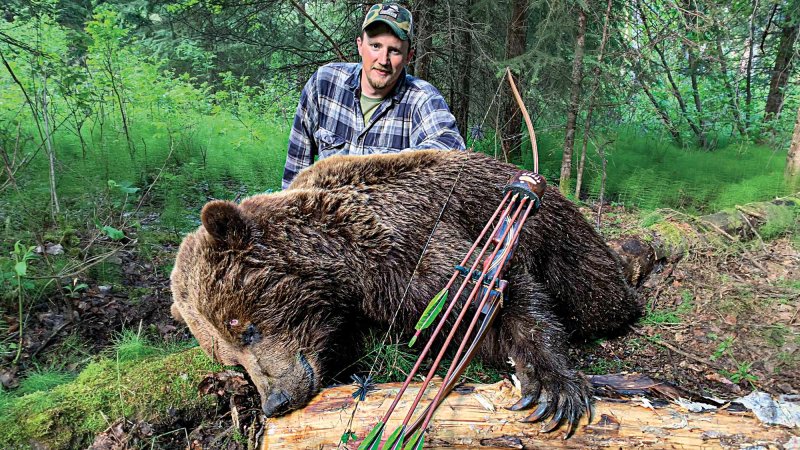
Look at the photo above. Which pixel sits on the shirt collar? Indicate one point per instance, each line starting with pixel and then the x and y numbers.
pixel 353 82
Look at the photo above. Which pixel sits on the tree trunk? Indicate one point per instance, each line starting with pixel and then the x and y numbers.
pixel 662 113
pixel 733 95
pixel 423 35
pixel 302 42
pixel 782 68
pixel 590 104
pixel 749 76
pixel 574 104
pixel 690 14
pixel 793 157
pixel 51 153
pixel 475 416
pixel 465 73
pixel 510 119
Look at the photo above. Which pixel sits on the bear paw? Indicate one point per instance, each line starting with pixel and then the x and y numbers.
pixel 560 397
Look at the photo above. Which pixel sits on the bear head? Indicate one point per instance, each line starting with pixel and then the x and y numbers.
pixel 245 307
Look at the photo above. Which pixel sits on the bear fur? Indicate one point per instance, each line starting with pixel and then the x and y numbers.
pixel 286 284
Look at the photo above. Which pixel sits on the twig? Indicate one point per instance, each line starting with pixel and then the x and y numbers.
pixel 717 229
pixel 753 229
pixel 49 339
pixel 666 344
pixel 149 188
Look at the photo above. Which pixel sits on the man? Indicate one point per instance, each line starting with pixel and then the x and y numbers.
pixel 372 107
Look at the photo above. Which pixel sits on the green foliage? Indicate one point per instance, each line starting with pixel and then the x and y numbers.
pixel 652 173
pixel 656 316
pixel 722 348
pixel 132 346
pixel 43 380
pixel 742 373
pixel 388 362
pixel 603 366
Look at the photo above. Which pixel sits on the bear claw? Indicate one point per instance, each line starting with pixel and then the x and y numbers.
pixel 523 403
pixel 565 401
pixel 538 414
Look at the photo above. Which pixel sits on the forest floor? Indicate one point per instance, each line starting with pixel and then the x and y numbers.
pixel 720 322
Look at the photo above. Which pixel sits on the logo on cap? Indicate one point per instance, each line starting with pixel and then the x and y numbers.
pixel 392 14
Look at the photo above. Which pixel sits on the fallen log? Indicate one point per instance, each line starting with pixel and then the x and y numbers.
pixel 673 235
pixel 474 416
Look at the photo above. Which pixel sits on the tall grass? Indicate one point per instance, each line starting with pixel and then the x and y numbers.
pixel 650 172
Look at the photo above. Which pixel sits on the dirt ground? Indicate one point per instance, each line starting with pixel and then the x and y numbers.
pixel 720 322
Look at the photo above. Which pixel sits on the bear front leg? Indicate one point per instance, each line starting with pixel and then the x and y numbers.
pixel 532 336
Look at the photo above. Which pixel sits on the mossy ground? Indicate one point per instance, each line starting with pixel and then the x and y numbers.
pixel 132 385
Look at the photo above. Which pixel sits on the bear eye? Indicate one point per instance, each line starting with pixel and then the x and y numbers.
pixel 250 335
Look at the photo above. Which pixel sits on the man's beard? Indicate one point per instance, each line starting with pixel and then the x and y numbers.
pixel 380 83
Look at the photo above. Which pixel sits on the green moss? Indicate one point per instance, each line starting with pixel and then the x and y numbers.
pixel 676 240
pixel 68 415
pixel 781 219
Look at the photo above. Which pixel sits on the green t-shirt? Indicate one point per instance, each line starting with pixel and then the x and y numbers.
pixel 368 106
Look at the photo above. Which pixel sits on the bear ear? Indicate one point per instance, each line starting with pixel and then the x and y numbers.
pixel 225 223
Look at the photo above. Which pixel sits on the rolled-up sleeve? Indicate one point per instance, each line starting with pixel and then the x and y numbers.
pixel 302 146
pixel 434 127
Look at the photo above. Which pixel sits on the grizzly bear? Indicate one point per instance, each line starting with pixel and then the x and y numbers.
pixel 286 284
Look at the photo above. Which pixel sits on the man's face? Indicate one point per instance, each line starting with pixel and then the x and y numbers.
pixel 383 56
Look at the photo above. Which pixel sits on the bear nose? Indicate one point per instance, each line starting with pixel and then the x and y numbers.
pixel 276 403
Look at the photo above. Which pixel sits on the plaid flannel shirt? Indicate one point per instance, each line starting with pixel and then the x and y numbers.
pixel 329 120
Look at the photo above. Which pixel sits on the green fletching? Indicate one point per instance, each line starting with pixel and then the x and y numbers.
pixel 432 310
pixel 395 441
pixel 373 439
pixel 416 442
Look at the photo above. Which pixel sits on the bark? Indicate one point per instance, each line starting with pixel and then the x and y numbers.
pixel 782 68
pixel 302 42
pixel 793 157
pixel 424 29
pixel 574 104
pixel 475 416
pixel 590 104
pixel 510 119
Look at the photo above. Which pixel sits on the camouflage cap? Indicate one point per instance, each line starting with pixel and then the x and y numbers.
pixel 392 14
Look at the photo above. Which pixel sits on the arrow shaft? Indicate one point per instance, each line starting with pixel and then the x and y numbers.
pixel 504 207
pixel 506 251
pixel 460 318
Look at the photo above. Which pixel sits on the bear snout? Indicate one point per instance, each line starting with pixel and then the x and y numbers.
pixel 276 403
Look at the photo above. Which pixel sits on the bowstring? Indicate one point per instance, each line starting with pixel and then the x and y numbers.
pixel 419 261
